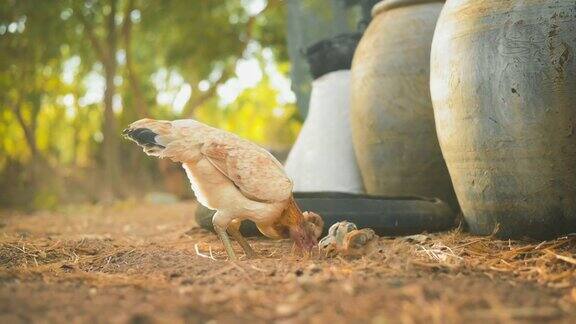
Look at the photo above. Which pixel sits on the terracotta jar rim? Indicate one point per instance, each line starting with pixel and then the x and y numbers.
pixel 386 5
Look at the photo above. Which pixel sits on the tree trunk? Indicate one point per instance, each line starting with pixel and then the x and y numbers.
pixel 140 105
pixel 29 130
pixel 111 134
pixel 29 135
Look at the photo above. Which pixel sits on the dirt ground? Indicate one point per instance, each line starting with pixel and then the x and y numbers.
pixel 143 263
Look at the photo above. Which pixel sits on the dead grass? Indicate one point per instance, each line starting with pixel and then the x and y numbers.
pixel 551 263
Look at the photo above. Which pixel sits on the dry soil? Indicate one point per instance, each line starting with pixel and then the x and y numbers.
pixel 143 263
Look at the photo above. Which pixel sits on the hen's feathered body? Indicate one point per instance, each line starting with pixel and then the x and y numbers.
pixel 231 175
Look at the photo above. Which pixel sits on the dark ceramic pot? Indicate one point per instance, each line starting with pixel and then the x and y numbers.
pixel 503 81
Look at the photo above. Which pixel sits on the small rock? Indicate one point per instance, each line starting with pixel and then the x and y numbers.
pixel 285 309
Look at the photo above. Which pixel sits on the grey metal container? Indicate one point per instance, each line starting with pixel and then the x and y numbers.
pixel 392 117
pixel 503 81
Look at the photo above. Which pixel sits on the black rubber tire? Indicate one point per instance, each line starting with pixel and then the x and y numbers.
pixel 387 216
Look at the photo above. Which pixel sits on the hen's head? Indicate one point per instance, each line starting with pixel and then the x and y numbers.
pixel 303 236
pixel 303 228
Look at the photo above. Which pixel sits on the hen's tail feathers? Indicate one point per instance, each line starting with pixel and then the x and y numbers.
pixel 144 137
pixel 178 140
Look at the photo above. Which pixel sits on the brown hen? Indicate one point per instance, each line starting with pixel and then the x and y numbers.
pixel 231 175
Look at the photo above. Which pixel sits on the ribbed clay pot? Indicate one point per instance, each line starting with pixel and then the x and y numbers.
pixel 392 118
pixel 503 81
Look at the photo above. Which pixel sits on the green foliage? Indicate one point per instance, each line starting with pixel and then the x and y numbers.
pixel 250 116
pixel 52 79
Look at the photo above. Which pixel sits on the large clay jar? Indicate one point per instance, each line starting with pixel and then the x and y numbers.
pixel 392 117
pixel 503 81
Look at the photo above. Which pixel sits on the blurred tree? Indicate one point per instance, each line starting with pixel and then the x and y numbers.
pixel 91 14
pixel 74 71
pixel 140 105
pixel 30 70
pixel 204 41
pixel 30 80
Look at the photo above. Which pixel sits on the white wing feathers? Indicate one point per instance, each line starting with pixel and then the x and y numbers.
pixel 256 173
pixel 253 170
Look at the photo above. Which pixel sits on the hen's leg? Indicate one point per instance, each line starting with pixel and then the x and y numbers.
pixel 220 222
pixel 234 230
